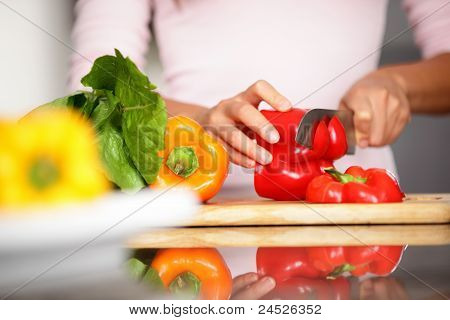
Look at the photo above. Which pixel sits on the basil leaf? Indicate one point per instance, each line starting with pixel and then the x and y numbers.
pixel 143 129
pixel 136 268
pixel 106 106
pixel 81 100
pixel 132 86
pixel 118 165
pixel 88 105
pixel 152 278
pixel 76 100
pixel 144 117
pixel 128 116
pixel 103 74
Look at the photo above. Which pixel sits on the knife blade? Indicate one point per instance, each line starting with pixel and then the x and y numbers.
pixel 313 116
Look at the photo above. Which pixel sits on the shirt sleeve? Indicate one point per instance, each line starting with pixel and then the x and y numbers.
pixel 101 26
pixel 430 20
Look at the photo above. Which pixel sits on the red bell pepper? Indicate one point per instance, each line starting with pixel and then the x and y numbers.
pixel 293 165
pixel 323 262
pixel 355 186
pixel 308 289
pixel 358 260
pixel 286 181
pixel 283 263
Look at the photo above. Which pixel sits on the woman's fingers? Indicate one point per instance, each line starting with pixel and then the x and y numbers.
pixel 378 126
pixel 256 290
pixel 225 119
pixel 263 91
pixel 242 143
pixel 399 290
pixel 235 156
pixel 240 159
pixel 405 119
pixel 244 280
pixel 254 120
pixel 379 118
pixel 393 115
pixel 399 117
pixel 362 118
pixel 381 108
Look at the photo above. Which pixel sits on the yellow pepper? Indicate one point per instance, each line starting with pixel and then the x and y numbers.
pixel 49 157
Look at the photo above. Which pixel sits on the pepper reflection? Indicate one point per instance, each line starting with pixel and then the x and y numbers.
pixel 282 273
pixel 324 272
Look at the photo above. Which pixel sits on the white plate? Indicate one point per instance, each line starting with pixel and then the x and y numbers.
pixel 49 245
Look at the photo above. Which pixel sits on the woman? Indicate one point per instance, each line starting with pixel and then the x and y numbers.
pixel 316 53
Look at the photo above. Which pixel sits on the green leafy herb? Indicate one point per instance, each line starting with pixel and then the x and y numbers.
pixel 143 130
pixel 106 106
pixel 136 268
pixel 80 100
pixel 103 74
pixel 144 117
pixel 119 167
pixel 129 117
pixel 132 87
pixel 88 105
pixel 152 278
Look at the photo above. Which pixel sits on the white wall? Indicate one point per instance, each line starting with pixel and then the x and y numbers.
pixel 33 65
pixel 34 62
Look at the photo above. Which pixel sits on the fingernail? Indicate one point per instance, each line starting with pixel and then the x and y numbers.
pixel 250 163
pixel 266 157
pixel 364 115
pixel 268 283
pixel 274 136
pixel 285 105
pixel 363 143
pixel 253 277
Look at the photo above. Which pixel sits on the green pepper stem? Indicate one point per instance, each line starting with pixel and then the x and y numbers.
pixel 183 161
pixel 344 177
pixel 186 286
pixel 339 270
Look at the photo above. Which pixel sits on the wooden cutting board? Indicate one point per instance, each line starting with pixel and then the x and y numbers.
pixel 282 236
pixel 422 219
pixel 416 209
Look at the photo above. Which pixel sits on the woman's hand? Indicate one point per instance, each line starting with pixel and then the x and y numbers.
pixel 382 289
pixel 381 108
pixel 235 121
pixel 249 286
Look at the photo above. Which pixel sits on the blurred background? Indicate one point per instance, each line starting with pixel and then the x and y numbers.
pixel 34 68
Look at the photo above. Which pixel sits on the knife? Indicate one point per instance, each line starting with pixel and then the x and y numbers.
pixel 313 116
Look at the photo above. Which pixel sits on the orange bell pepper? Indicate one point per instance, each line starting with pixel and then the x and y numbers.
pixel 198 272
pixel 192 159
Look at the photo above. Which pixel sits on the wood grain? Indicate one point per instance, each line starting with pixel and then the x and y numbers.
pixel 416 209
pixel 437 234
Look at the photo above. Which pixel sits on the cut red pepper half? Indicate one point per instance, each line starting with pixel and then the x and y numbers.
pixel 294 165
pixel 356 185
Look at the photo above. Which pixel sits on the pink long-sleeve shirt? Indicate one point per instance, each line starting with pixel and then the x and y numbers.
pixel 311 51
pixel 213 49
